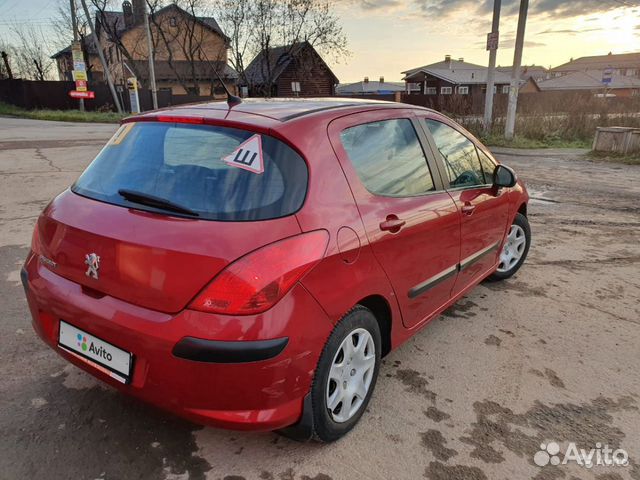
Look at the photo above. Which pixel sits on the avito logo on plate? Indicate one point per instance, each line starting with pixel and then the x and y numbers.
pixel 99 351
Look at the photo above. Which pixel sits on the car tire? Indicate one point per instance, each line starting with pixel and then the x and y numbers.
pixel 515 249
pixel 346 375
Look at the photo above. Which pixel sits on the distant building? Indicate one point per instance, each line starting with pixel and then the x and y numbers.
pixel 536 72
pixel 625 64
pixel 591 81
pixel 295 70
pixel 368 87
pixel 453 77
pixel 192 51
pixel 529 86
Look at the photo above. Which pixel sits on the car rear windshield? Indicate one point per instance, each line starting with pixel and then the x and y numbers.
pixel 210 171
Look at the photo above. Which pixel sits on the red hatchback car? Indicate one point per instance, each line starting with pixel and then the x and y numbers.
pixel 248 266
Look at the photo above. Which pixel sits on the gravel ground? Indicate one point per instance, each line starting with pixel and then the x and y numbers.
pixel 550 355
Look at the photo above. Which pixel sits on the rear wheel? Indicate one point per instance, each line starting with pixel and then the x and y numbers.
pixel 515 249
pixel 346 374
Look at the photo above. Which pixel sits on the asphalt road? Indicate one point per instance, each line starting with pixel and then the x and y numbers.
pixel 550 355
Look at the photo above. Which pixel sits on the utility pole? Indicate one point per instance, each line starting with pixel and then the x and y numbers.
pixel 152 69
pixel 515 73
pixel 74 22
pixel 492 46
pixel 107 74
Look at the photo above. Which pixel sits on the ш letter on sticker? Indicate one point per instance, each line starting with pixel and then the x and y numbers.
pixel 248 155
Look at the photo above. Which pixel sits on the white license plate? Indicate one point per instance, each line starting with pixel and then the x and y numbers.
pixel 103 356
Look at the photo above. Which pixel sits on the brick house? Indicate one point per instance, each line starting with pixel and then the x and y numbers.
pixel 188 50
pixel 289 71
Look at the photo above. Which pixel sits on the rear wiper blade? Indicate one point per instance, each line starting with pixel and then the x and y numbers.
pixel 153 201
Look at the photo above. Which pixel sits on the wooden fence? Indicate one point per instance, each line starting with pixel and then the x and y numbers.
pixel 31 94
pixel 539 103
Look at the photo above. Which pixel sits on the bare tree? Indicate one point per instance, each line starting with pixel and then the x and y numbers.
pixel 255 27
pixel 63 26
pixel 30 53
pixel 236 18
pixel 186 44
pixel 178 39
pixel 6 57
pixel 111 32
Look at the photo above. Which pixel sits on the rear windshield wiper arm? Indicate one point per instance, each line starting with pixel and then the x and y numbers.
pixel 153 201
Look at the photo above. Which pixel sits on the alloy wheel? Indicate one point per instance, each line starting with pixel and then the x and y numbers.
pixel 513 248
pixel 350 375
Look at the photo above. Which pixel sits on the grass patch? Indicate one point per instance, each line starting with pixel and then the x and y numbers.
pixel 61 115
pixel 633 159
pixel 570 130
pixel 524 142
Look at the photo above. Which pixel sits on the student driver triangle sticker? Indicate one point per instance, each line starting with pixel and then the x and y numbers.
pixel 248 155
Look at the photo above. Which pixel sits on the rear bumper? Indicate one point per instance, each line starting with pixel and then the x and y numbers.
pixel 248 372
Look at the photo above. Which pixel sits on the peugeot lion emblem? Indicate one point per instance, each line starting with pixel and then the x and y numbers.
pixel 93 265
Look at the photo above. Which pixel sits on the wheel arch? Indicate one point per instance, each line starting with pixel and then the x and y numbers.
pixel 381 309
pixel 522 209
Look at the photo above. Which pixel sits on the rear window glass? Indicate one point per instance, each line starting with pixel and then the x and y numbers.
pixel 185 165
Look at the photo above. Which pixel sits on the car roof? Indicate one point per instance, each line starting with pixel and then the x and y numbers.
pixel 279 109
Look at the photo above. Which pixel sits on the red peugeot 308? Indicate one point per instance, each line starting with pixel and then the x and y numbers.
pixel 247 266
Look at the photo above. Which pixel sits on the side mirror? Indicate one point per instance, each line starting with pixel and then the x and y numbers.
pixel 504 176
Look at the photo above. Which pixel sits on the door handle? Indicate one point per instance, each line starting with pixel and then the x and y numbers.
pixel 468 209
pixel 392 224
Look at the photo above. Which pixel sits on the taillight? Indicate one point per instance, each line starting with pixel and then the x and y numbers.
pixel 257 281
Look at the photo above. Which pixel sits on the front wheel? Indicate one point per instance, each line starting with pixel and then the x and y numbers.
pixel 515 249
pixel 346 374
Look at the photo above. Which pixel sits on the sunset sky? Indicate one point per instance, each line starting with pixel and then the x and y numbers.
pixel 388 36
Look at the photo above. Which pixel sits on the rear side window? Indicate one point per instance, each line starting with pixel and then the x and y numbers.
pixel 388 158
pixel 459 155
pixel 183 164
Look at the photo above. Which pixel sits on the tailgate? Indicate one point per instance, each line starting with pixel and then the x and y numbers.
pixel 151 260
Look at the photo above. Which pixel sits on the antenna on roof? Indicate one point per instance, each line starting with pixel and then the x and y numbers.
pixel 232 100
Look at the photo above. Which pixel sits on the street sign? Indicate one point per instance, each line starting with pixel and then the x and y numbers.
pixel 493 39
pixel 79 66
pixel 79 75
pixel 81 85
pixel 77 94
pixel 76 52
pixel 134 100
